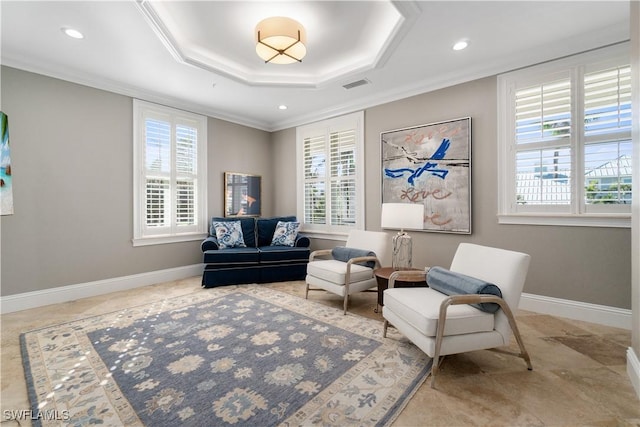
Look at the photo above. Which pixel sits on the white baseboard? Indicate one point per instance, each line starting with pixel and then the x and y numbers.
pixel 601 314
pixel 610 316
pixel 633 369
pixel 34 299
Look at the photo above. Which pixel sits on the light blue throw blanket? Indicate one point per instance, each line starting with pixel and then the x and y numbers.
pixel 452 283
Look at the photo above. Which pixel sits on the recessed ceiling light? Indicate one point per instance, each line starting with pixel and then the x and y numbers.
pixel 462 44
pixel 282 107
pixel 72 33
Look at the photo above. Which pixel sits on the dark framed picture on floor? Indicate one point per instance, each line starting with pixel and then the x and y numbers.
pixel 242 194
pixel 431 165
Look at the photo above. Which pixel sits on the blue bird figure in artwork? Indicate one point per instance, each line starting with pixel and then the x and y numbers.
pixel 427 167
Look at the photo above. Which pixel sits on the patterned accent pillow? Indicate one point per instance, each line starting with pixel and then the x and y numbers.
pixel 285 234
pixel 229 234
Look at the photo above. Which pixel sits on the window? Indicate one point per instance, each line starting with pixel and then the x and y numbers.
pixel 169 181
pixel 565 141
pixel 330 157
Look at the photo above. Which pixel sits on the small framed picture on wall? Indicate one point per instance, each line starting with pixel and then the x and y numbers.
pixel 242 194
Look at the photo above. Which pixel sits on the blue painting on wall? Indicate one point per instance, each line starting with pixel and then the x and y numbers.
pixel 431 165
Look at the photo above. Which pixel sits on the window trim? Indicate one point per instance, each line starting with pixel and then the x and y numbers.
pixel 140 109
pixel 356 122
pixel 506 85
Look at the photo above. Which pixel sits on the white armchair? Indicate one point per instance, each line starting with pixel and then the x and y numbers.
pixel 347 275
pixel 440 324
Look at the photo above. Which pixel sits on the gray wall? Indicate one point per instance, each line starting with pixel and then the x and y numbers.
pixel 576 263
pixel 72 155
pixel 236 148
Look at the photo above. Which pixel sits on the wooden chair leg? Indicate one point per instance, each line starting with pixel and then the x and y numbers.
pixel 442 318
pixel 434 368
pixel 306 292
pixel 346 302
pixel 516 332
pixel 385 327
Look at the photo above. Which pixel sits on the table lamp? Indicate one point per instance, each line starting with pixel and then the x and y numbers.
pixel 403 216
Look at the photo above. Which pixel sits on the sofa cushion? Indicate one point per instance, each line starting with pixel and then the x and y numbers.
pixel 229 234
pixel 248 226
pixel 279 254
pixel 420 307
pixel 451 283
pixel 232 256
pixel 267 226
pixel 285 233
pixel 334 271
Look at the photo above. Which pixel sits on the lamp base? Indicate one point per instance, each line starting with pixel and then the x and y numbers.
pixel 401 255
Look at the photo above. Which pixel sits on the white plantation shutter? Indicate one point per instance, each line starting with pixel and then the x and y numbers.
pixel 315 164
pixel 543 113
pixel 542 137
pixel 157 174
pixel 158 193
pixel 565 141
pixel 330 175
pixel 186 174
pixel 607 104
pixel 169 167
pixel 607 130
pixel 342 147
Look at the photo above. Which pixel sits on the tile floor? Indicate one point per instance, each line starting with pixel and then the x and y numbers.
pixel 579 369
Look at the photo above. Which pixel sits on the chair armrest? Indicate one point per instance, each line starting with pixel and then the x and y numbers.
pixel 475 299
pixel 407 274
pixel 319 252
pixel 209 244
pixel 361 259
pixel 358 260
pixel 472 299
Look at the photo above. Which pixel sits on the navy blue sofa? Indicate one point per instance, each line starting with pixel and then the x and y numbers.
pixel 259 262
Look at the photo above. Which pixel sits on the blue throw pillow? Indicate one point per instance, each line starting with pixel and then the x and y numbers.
pixel 452 283
pixel 229 234
pixel 265 227
pixel 344 254
pixel 248 226
pixel 285 233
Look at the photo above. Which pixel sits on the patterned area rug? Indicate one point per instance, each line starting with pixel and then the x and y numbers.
pixel 245 355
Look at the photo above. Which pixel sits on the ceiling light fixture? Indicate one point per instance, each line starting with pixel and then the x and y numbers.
pixel 282 107
pixel 72 33
pixel 280 40
pixel 462 44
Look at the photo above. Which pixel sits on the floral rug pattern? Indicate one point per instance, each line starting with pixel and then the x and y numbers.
pixel 236 356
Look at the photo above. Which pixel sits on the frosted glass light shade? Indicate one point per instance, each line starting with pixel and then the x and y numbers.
pixel 280 40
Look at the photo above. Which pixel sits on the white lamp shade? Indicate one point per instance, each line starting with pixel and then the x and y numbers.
pixel 403 216
pixel 278 35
